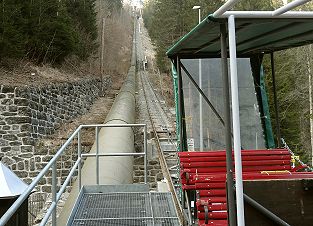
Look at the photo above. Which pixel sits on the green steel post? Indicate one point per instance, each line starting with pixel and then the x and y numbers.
pixel 275 101
pixel 175 83
pixel 231 204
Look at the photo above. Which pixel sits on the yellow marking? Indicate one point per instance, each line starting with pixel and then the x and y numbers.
pixel 274 171
pixel 295 157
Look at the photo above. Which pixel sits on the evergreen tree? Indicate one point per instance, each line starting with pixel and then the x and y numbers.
pixel 47 30
pixel 83 17
pixel 11 33
pixel 51 35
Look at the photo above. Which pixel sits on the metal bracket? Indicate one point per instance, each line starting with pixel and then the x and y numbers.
pixel 307 184
pixel 206 214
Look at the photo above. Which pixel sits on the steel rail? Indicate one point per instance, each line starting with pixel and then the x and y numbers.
pixel 172 124
pixel 162 159
pixel 289 6
pixel 226 6
pixel 164 118
pixel 6 217
pixel 158 99
pixel 268 14
pixel 68 179
pixel 56 195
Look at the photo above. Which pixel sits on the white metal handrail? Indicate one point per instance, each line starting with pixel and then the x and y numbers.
pixel 56 195
pixel 226 6
pixel 282 12
pixel 289 6
pixel 268 14
pixel 223 12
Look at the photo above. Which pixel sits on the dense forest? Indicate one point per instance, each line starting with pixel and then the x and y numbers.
pixel 169 20
pixel 47 31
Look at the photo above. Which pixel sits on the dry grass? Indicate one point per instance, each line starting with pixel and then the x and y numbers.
pixel 117 44
pixel 163 82
pixel 118 48
pixel 26 73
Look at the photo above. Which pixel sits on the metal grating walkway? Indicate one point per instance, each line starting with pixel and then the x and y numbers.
pixel 125 208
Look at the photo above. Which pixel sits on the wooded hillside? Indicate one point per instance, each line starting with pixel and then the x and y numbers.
pixel 48 30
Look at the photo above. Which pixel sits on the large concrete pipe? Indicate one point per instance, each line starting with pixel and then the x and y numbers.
pixel 113 170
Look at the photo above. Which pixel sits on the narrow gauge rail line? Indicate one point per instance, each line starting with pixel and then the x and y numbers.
pixel 162 124
pixel 162 128
pixel 152 111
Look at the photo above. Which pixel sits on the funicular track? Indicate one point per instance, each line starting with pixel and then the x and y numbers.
pixel 168 159
pixel 162 128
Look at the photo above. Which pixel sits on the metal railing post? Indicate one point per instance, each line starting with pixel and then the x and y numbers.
pixel 236 120
pixel 145 151
pixel 276 107
pixel 231 204
pixel 54 194
pixel 79 155
pixel 97 154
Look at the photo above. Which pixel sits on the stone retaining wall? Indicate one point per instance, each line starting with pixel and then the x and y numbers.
pixel 154 172
pixel 30 113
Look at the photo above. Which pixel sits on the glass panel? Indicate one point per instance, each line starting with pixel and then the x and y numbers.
pixel 213 137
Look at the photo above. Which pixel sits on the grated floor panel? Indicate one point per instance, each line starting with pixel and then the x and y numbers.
pixel 126 208
pixel 109 222
pixel 163 202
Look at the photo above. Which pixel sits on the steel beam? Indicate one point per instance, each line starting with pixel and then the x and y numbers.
pixel 227 6
pixel 275 102
pixel 180 99
pixel 268 14
pixel 236 120
pixel 289 6
pixel 265 211
pixel 200 106
pixel 231 204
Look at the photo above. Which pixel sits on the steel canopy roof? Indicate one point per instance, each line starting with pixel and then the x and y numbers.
pixel 253 36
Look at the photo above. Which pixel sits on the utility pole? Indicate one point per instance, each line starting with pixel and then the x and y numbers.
pixel 102 56
pixel 161 84
pixel 309 54
pixel 200 85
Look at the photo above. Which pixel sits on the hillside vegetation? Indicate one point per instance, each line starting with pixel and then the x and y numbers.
pixel 60 41
pixel 47 31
